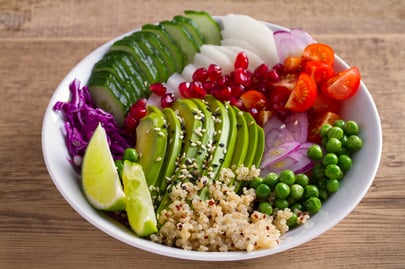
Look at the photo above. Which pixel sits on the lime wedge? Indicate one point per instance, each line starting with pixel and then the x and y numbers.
pixel 100 179
pixel 141 215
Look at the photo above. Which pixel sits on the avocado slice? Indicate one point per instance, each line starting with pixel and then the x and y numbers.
pixel 259 146
pixel 151 143
pixel 253 137
pixel 242 140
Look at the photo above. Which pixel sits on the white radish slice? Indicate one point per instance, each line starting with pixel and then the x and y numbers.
pixel 254 59
pixel 215 52
pixel 188 72
pixel 154 100
pixel 202 60
pixel 233 42
pixel 173 82
pixel 253 31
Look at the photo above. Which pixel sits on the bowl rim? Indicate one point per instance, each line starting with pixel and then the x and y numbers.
pixel 51 130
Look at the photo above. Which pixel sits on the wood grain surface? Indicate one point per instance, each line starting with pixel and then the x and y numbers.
pixel 40 41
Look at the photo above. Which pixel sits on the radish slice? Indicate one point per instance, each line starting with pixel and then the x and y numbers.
pixel 297 124
pixel 173 82
pixel 188 72
pixel 275 154
pixel 254 59
pixel 201 60
pixel 233 42
pixel 246 28
pixel 214 52
pixel 291 43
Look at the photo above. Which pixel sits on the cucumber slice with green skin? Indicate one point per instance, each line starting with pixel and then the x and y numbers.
pixel 145 63
pixel 187 44
pixel 207 25
pixel 132 71
pixel 192 28
pixel 169 43
pixel 159 50
pixel 108 96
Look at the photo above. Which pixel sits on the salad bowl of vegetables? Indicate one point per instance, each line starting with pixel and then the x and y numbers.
pixel 213 119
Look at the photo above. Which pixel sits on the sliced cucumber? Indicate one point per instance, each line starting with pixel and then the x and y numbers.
pixel 168 42
pixel 183 38
pixel 207 25
pixel 108 95
pixel 192 28
pixel 144 61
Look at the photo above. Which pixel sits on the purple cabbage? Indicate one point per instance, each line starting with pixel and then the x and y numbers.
pixel 81 118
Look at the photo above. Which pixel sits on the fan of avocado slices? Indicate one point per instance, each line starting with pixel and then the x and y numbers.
pixel 194 137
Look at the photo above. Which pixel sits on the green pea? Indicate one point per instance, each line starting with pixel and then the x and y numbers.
pixel 301 179
pixel 318 172
pixel 335 132
pixel 333 145
pixel 254 183
pixel 282 190
pixel 332 185
pixel 323 194
pixel 311 191
pixel 271 179
pixel 339 123
pixel 315 152
pixel 292 221
pixel 324 130
pixel 351 128
pixel 333 171
pixel 263 191
pixel 130 154
pixel 281 203
pixel 296 191
pixel 120 165
pixel 313 205
pixel 354 143
pixel 322 183
pixel 330 158
pixel 265 207
pixel 345 162
pixel 297 207
pixel 287 176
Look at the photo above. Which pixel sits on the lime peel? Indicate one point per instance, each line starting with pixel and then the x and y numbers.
pixel 100 180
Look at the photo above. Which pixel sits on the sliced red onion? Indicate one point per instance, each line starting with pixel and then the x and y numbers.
pixel 274 154
pixel 276 133
pixel 295 161
pixel 297 124
pixel 291 43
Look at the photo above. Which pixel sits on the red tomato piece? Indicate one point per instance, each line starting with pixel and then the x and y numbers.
pixel 317 122
pixel 292 64
pixel 319 52
pixel 343 85
pixel 324 103
pixel 303 94
pixel 319 71
pixel 254 99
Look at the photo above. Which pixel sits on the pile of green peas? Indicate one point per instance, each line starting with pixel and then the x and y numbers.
pixel 307 192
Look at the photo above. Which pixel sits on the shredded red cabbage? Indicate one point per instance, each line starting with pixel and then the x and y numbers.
pixel 81 118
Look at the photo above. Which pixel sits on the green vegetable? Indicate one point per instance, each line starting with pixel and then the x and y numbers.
pixel 263 191
pixel 130 154
pixel 315 152
pixel 265 207
pixel 313 205
pixel 287 176
pixel 271 179
pixel 282 190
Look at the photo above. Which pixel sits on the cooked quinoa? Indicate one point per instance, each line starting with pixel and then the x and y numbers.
pixel 226 221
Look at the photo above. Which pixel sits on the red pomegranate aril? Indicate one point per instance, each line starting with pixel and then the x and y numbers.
pixel 272 75
pixel 279 68
pixel 138 110
pixel 158 88
pixel 214 72
pixel 242 76
pixel 236 102
pixel 260 71
pixel 200 74
pixel 241 60
pixel 130 124
pixel 223 80
pixel 237 89
pixel 196 89
pixel 253 111
pixel 208 86
pixel 184 89
pixel 223 93
pixel 167 99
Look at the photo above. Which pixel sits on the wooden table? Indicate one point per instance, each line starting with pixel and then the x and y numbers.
pixel 40 41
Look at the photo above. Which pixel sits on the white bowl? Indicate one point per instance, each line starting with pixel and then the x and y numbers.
pixel 357 181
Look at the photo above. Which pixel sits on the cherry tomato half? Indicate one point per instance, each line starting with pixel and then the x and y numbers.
pixel 319 52
pixel 317 122
pixel 319 71
pixel 303 94
pixel 254 99
pixel 343 85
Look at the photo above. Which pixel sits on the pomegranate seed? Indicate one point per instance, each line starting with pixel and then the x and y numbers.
pixel 272 75
pixel 138 110
pixel 214 72
pixel 223 93
pixel 253 111
pixel 261 71
pixel 208 86
pixel 167 99
pixel 184 89
pixel 223 80
pixel 237 89
pixel 158 88
pixel 241 60
pixel 196 89
pixel 200 74
pixel 242 76
pixel 130 124
pixel 236 102
pixel 279 68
